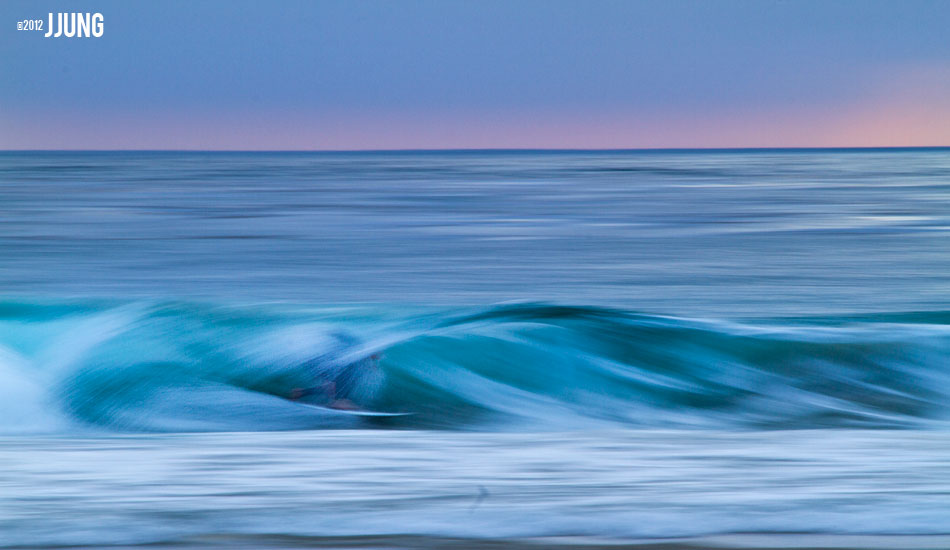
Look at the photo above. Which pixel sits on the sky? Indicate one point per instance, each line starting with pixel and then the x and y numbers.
pixel 443 74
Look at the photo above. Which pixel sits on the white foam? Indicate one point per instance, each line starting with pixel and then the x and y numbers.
pixel 25 404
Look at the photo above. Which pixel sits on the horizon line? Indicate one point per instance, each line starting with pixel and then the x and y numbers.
pixel 495 149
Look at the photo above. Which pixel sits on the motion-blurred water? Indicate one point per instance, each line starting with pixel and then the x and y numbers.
pixel 702 344
pixel 711 233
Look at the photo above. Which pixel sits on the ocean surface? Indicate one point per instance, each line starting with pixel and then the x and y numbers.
pixel 643 349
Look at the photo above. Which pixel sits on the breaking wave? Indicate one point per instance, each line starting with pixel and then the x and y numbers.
pixel 199 367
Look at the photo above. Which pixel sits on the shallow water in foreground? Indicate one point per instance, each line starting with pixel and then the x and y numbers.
pixel 710 349
pixel 620 486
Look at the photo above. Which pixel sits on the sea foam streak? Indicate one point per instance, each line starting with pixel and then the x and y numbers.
pixel 193 367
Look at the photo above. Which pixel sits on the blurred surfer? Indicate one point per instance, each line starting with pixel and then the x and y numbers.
pixel 337 381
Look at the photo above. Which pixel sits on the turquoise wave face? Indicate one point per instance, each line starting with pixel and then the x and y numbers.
pixel 183 367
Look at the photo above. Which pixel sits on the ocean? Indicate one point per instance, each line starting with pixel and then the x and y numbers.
pixel 594 349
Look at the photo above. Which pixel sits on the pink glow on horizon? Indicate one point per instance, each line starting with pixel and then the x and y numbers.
pixel 908 108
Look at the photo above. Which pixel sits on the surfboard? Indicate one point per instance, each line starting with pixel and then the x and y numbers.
pixel 354 412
